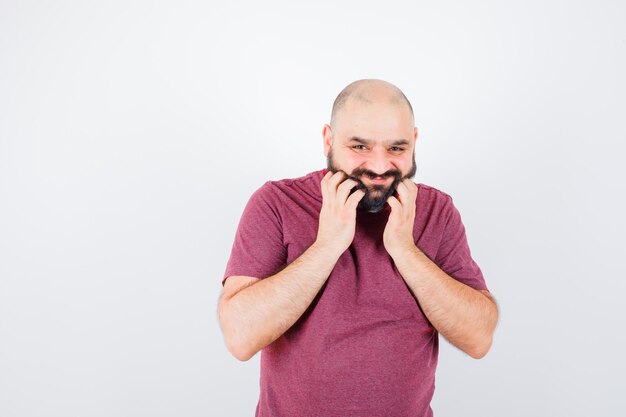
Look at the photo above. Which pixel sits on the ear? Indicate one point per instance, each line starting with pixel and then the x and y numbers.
pixel 327 135
pixel 415 134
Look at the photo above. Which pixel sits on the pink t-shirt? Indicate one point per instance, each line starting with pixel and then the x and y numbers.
pixel 363 347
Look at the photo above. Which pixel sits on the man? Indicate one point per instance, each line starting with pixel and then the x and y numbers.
pixel 345 277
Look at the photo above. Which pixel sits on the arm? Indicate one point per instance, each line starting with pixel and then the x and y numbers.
pixel 256 312
pixel 465 316
pixel 260 313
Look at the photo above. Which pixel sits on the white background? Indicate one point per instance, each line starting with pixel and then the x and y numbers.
pixel 132 134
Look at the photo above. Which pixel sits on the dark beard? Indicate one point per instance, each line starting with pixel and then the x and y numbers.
pixel 375 196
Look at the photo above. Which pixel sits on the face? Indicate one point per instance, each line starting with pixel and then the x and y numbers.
pixel 374 144
pixel 380 187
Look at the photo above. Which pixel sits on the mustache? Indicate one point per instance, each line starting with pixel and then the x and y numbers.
pixel 359 172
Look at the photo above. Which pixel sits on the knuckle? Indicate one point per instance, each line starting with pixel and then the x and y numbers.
pixel 347 184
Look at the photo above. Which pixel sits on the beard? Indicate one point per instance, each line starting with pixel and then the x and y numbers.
pixel 376 195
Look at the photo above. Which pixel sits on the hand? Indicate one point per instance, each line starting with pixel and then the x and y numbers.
pixel 398 234
pixel 338 214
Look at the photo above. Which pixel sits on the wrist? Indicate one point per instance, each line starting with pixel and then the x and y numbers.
pixel 403 251
pixel 327 250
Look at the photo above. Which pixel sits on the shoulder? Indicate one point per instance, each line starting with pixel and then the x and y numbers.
pixel 312 178
pixel 432 195
pixel 305 185
pixel 431 189
pixel 434 206
pixel 275 194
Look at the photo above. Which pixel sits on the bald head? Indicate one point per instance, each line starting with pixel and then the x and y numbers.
pixel 368 91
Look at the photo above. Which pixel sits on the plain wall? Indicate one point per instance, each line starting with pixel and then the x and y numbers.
pixel 132 134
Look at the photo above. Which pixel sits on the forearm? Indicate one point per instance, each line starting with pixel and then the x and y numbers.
pixel 260 313
pixel 464 316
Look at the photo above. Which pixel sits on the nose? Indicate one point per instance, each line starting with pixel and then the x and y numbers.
pixel 379 161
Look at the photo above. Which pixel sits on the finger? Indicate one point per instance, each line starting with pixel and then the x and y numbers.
pixel 334 181
pixel 402 191
pixel 406 191
pixel 354 199
pixel 410 184
pixel 330 184
pixel 324 185
pixel 344 189
pixel 394 203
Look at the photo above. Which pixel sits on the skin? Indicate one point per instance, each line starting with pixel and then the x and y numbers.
pixel 253 312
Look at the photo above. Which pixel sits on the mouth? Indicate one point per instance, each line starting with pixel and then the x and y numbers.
pixel 376 180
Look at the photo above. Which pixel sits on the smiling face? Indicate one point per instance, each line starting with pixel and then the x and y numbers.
pixel 372 139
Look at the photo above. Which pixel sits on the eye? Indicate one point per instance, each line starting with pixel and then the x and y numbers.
pixel 359 147
pixel 396 149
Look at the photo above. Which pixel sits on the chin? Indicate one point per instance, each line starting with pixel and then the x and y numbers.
pixel 372 206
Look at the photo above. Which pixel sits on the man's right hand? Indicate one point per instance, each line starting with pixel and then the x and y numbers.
pixel 338 214
pixel 256 312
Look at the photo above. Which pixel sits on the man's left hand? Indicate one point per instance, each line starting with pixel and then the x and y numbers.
pixel 398 235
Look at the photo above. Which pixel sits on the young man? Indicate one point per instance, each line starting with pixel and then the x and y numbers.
pixel 345 277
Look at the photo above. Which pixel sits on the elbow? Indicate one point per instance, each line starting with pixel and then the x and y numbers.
pixel 238 349
pixel 482 346
pixel 236 346
pixel 479 352
pixel 239 352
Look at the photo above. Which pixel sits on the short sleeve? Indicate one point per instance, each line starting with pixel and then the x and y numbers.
pixel 454 255
pixel 258 249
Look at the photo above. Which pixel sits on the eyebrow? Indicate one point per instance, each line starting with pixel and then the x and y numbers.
pixel 388 142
